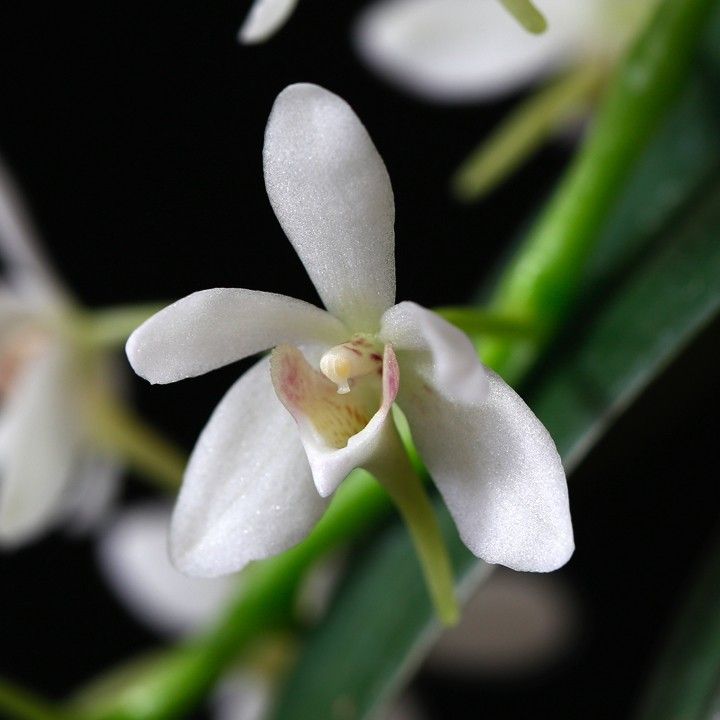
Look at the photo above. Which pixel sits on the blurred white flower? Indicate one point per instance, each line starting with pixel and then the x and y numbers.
pixel 50 467
pixel 264 19
pixel 248 491
pixel 514 624
pixel 471 50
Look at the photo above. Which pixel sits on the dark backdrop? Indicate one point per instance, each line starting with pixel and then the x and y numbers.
pixel 135 129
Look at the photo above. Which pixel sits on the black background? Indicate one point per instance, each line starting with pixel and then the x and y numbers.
pixel 135 130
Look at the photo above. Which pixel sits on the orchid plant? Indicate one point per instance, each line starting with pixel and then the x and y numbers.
pixel 366 402
pixel 295 425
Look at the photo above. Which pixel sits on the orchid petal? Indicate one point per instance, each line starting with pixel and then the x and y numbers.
pixel 134 558
pixel 331 193
pixel 248 491
pixel 467 50
pixel 499 472
pixel 426 339
pixel 26 267
pixel 212 328
pixel 339 432
pixel 265 18
pixel 39 439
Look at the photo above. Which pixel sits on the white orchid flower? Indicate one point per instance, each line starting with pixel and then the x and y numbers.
pixel 292 427
pixel 472 50
pixel 50 467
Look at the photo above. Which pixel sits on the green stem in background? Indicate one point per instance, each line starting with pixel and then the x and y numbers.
pixel 544 278
pixel 475 321
pixel 526 14
pixel 527 128
pixel 126 435
pixel 686 682
pixel 111 327
pixel 19 704
pixel 181 677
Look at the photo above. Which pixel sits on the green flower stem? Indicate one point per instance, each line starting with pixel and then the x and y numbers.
pixel 126 435
pixel 478 322
pixel 526 14
pixel 686 682
pixel 527 128
pixel 181 677
pixel 407 491
pixel 544 278
pixel 111 327
pixel 20 704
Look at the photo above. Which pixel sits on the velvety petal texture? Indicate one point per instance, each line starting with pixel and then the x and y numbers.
pixel 212 328
pixel 441 353
pixel 468 50
pixel 248 491
pixel 499 473
pixel 134 558
pixel 339 432
pixel 331 193
pixel 265 18
pixel 40 434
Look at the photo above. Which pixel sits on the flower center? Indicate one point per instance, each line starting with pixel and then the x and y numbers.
pixel 359 356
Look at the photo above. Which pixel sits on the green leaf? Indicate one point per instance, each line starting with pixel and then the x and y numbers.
pixel 686 681
pixel 663 234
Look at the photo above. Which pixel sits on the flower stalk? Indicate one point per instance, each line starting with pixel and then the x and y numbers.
pixel 126 435
pixel 527 128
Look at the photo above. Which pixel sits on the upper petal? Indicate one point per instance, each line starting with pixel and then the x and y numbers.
pixel 265 18
pixel 498 471
pixel 340 432
pixel 248 491
pixel 332 195
pixel 464 50
pixel 211 328
pixel 437 349
pixel 134 558
pixel 40 438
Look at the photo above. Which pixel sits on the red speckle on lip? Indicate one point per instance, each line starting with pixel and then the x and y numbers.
pixel 375 357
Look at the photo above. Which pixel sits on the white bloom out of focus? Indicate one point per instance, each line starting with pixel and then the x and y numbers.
pixel 514 624
pixel 264 19
pixel 472 50
pixel 50 467
pixel 296 424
